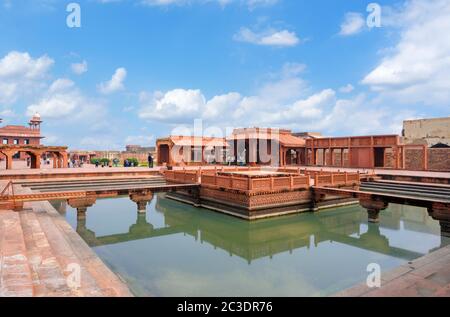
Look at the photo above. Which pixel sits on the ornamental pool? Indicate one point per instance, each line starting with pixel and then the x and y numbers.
pixel 178 250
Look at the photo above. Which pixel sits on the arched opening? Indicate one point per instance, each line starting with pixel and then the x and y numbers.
pixel 32 157
pixel 163 154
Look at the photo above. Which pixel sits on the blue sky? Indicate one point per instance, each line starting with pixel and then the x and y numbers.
pixel 137 70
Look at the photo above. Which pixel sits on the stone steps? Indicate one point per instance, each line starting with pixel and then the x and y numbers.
pixel 40 255
pixel 92 268
pixel 69 262
pixel 15 273
pixel 47 274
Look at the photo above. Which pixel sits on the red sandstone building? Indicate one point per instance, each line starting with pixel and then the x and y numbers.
pixel 22 135
pixel 265 146
pixel 191 151
pixel 279 147
pixel 253 146
pixel 24 143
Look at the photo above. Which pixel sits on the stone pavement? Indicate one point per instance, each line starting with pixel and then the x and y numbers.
pixel 93 169
pixel 393 172
pixel 428 276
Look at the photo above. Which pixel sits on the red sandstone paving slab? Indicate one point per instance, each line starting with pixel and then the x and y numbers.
pixel 15 276
pixel 426 276
pixel 429 258
pixel 395 273
pixel 433 267
pixel 398 287
pixel 355 291
pixel 381 171
pixel 442 277
pixel 47 276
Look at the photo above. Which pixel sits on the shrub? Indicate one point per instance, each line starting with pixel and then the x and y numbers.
pixel 104 161
pixel 134 161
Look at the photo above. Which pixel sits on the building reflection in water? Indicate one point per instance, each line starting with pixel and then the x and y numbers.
pixel 266 238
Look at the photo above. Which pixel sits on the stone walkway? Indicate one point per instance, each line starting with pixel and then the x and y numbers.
pixel 382 171
pixel 41 255
pixel 428 276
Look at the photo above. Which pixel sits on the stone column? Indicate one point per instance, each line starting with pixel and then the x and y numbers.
pixel 65 159
pixel 141 200
pixel 324 157
pixel 253 152
pixel 425 157
pixel 35 160
pixel 55 160
pixel 373 208
pixel 316 198
pixel 81 204
pixel 8 160
pixel 195 194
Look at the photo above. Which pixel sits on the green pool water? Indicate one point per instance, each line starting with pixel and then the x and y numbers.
pixel 177 250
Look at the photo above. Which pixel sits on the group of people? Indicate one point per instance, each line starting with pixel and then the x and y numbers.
pixel 72 163
pixel 126 163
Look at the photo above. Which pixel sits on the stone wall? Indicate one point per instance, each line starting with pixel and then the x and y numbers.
pixel 438 159
pixel 427 131
pixel 414 159
pixel 257 201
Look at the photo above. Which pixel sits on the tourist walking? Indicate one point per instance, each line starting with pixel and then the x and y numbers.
pixel 150 161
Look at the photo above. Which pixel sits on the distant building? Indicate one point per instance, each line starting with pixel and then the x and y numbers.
pixel 22 135
pixel 24 143
pixel 140 149
pixel 432 132
pixel 131 152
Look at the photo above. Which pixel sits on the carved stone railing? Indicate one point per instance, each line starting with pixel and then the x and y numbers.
pixel 182 177
pixel 337 179
pixel 256 185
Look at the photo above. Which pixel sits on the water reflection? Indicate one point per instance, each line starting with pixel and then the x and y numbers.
pixel 266 238
pixel 175 249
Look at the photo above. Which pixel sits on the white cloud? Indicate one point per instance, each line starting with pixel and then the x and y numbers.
pixel 269 37
pixel 116 82
pixel 353 24
pixel 177 104
pixel 79 68
pixel 417 68
pixel 287 101
pixel 63 100
pixel 251 4
pixel 347 89
pixel 22 75
pixel 18 64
